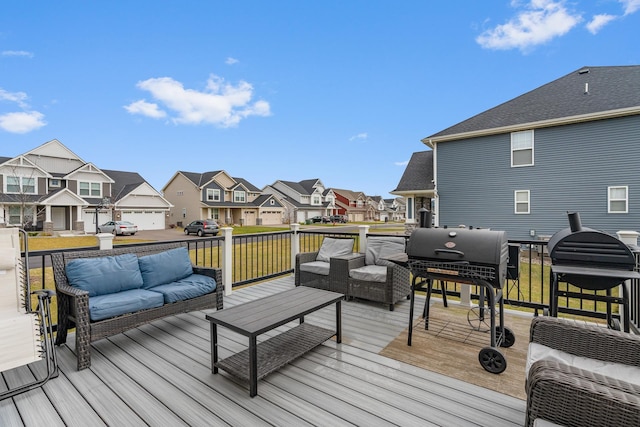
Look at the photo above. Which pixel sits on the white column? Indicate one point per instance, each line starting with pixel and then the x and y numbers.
pixel 105 240
pixel 295 243
pixel 227 260
pixel 47 213
pixel 363 230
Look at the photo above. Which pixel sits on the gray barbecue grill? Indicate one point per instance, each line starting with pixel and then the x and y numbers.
pixel 591 260
pixel 477 257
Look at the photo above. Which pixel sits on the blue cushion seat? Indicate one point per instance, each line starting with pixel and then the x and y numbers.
pixel 165 267
pixel 191 287
pixel 117 303
pixel 104 275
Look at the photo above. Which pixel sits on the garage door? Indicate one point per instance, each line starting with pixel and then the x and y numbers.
pixel 89 218
pixel 271 217
pixel 145 219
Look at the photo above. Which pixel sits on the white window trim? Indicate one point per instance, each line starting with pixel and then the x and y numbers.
pixel 516 202
pixel 90 185
pixel 236 197
pixel 214 193
pixel 522 149
pixel 610 199
pixel 21 184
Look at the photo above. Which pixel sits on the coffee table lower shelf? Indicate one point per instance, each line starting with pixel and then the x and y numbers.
pixel 277 351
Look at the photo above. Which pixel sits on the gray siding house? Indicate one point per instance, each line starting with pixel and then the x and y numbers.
pixel 570 145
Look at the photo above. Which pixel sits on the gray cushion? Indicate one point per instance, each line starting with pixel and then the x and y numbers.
pixel 193 286
pixel 316 267
pixel 333 248
pixel 379 248
pixel 370 273
pixel 104 275
pixel 165 267
pixel 111 305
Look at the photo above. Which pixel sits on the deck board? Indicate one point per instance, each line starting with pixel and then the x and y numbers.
pixel 160 374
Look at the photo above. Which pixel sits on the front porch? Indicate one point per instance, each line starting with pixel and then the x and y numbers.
pixel 159 374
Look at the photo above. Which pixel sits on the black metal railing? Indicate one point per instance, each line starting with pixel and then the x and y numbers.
pixel 259 257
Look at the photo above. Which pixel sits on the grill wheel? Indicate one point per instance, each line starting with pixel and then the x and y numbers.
pixel 492 360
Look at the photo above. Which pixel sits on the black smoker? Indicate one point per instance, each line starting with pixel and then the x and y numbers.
pixel 477 257
pixel 592 260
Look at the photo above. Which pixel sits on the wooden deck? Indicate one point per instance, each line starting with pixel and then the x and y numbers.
pixel 160 375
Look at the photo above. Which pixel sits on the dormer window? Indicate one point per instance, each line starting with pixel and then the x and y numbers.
pixel 54 183
pixel 239 196
pixel 91 189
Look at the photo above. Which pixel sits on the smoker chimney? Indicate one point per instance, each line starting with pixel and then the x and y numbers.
pixel 574 221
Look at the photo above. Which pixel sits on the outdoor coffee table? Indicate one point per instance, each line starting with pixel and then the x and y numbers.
pixel 257 317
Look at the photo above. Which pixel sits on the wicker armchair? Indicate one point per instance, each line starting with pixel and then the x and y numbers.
pixel 319 270
pixel 370 276
pixel 563 388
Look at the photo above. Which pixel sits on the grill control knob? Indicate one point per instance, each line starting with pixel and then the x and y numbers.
pixel 452 234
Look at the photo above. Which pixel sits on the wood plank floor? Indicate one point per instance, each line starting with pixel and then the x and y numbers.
pixel 160 375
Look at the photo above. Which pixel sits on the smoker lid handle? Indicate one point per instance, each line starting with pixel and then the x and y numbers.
pixel 449 251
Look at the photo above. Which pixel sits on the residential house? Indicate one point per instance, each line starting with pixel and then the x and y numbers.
pixel 51 188
pixel 304 199
pixel 351 203
pixel 570 145
pixel 417 187
pixel 396 209
pixel 217 195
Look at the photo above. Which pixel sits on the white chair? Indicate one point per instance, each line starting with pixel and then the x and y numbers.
pixel 26 336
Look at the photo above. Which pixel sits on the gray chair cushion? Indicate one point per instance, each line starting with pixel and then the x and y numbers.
pixel 333 248
pixel 370 273
pixel 316 267
pixel 379 248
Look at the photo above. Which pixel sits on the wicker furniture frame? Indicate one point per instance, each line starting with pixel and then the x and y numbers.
pixel 570 396
pixel 73 303
pixel 335 281
pixel 396 287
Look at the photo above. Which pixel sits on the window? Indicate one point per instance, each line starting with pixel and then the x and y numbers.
pixel 316 200
pixel 179 193
pixel 14 215
pixel 522 201
pixel 239 196
pixel 91 189
pixel 618 199
pixel 16 184
pixel 522 148
pixel 54 183
pixel 409 207
pixel 213 195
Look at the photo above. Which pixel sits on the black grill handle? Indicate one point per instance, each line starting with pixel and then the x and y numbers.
pixel 450 251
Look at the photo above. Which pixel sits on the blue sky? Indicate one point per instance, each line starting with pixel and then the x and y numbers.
pixel 338 90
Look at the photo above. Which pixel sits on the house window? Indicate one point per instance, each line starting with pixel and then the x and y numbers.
pixel 14 215
pixel 618 199
pixel 522 148
pixel 213 195
pixel 16 184
pixel 239 196
pixel 91 189
pixel 409 207
pixel 54 183
pixel 214 214
pixel 522 201
pixel 316 200
pixel 179 193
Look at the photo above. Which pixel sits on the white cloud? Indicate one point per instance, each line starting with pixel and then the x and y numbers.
pixel 361 135
pixel 22 122
pixel 146 109
pixel 220 103
pixel 17 53
pixel 405 163
pixel 542 21
pixel 599 21
pixel 630 6
pixel 231 61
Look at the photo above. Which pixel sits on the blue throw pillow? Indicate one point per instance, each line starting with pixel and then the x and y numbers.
pixel 105 275
pixel 165 267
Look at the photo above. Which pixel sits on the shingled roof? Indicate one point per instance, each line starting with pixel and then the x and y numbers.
pixel 581 94
pixel 418 175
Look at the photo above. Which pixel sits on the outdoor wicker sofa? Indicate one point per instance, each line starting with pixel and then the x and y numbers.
pixel 587 375
pixel 371 276
pixel 73 302
pixel 320 270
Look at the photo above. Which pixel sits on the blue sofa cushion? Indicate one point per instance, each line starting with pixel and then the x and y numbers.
pixel 104 275
pixel 115 304
pixel 165 267
pixel 191 287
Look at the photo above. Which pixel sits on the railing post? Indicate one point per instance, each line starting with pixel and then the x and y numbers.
pixel 363 230
pixel 295 243
pixel 105 240
pixel 227 260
